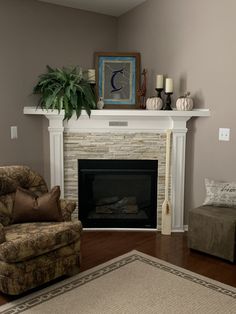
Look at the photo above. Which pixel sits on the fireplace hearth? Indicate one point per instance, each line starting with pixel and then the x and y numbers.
pixel 118 193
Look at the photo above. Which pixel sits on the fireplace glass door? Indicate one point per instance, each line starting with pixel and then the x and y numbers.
pixel 118 193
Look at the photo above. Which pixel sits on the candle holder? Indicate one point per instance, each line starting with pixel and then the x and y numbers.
pixel 167 105
pixel 159 91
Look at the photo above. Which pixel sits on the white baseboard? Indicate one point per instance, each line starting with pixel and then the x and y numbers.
pixel 120 229
pixel 134 229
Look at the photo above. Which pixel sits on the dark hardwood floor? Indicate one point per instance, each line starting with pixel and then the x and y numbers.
pixel 101 246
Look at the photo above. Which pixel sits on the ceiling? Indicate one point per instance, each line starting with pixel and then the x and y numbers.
pixel 109 7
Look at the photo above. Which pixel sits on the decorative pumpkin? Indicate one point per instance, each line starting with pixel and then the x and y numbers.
pixel 184 102
pixel 154 103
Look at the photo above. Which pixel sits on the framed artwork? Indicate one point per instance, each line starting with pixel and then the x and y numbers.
pixel 118 79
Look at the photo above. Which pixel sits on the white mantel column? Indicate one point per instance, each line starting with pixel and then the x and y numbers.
pixel 178 172
pixel 56 130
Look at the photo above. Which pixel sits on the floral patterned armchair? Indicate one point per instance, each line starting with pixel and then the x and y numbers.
pixel 34 253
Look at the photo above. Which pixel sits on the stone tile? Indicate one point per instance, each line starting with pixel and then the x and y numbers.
pixel 113 146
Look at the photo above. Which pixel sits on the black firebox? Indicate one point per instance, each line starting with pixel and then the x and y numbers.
pixel 117 193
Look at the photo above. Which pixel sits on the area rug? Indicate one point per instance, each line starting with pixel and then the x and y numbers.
pixel 132 283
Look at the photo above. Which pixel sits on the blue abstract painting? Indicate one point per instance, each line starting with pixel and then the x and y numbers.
pixel 117 80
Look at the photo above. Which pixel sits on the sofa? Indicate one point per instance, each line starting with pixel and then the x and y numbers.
pixel 33 253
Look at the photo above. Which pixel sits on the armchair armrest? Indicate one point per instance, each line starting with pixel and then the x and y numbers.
pixel 67 208
pixel 2 234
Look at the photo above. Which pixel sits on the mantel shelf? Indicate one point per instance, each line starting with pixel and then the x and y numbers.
pixel 124 113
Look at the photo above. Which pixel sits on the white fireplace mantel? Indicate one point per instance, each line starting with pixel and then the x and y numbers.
pixel 124 121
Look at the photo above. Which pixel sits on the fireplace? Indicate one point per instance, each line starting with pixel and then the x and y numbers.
pixel 120 134
pixel 117 193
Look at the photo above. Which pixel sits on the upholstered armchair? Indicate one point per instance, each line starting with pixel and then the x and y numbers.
pixel 33 253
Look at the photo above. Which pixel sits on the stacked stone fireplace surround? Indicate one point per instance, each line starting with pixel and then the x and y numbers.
pixel 136 146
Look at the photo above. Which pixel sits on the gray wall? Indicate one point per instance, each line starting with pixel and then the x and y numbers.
pixel 32 35
pixel 193 42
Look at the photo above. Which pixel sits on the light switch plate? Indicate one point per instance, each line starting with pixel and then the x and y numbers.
pixel 224 134
pixel 14 134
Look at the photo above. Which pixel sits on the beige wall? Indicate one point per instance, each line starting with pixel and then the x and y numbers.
pixel 32 35
pixel 193 42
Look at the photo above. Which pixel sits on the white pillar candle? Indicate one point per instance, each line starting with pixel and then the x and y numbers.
pixel 91 76
pixel 159 81
pixel 169 85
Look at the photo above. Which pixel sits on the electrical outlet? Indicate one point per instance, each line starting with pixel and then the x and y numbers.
pixel 224 134
pixel 14 134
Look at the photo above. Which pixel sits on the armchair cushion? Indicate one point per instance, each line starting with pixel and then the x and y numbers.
pixel 2 234
pixel 29 207
pixel 28 240
pixel 14 176
pixel 67 208
pixel 18 277
pixel 7 185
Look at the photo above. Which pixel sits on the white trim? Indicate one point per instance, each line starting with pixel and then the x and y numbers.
pixel 123 113
pixel 135 229
pixel 178 174
pixel 120 229
pixel 56 130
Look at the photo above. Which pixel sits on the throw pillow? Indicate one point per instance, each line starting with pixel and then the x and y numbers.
pixel 221 194
pixel 28 207
pixel 2 234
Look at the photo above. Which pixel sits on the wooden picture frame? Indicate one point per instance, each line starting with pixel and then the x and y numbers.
pixel 118 79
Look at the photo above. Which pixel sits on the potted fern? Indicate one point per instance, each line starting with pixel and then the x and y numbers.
pixel 66 89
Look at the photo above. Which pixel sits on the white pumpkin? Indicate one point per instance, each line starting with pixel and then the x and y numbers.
pixel 184 103
pixel 154 103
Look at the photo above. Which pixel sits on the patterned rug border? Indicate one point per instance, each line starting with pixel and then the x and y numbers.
pixel 71 283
